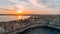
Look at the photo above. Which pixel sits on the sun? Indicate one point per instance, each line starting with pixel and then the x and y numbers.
pixel 19 11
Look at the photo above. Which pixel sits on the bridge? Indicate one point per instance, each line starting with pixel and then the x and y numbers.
pixel 12 27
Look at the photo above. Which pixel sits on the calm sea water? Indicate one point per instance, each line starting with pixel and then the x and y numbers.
pixel 9 18
pixel 41 31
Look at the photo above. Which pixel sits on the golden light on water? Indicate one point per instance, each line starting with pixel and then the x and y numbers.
pixel 19 17
pixel 22 17
pixel 19 12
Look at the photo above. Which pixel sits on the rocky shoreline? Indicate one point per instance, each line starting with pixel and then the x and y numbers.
pixel 34 21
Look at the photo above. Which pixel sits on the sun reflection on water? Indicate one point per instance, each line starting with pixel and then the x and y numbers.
pixel 23 17
pixel 19 17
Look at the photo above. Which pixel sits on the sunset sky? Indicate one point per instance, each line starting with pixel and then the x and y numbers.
pixel 30 6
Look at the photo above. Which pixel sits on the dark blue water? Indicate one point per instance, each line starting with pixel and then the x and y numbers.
pixel 41 31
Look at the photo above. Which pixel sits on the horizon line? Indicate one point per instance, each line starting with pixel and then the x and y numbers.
pixel 26 14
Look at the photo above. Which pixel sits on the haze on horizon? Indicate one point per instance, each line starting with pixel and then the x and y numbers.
pixel 30 6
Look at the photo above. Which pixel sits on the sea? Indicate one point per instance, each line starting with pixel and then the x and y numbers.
pixel 45 30
pixel 10 18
